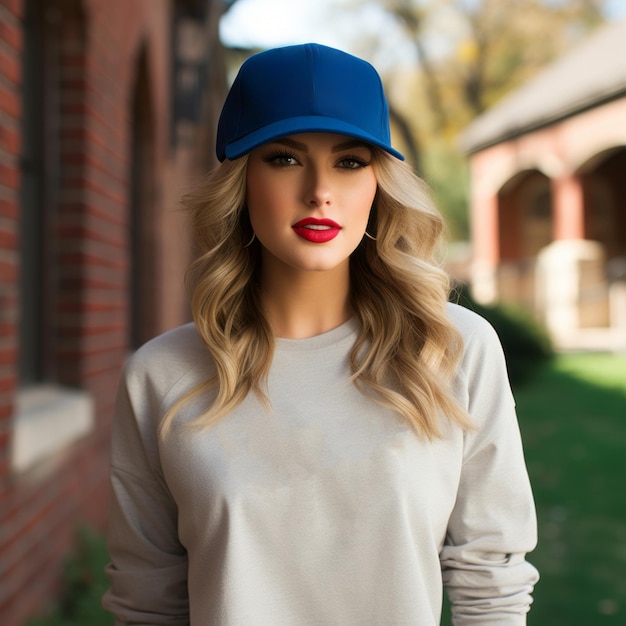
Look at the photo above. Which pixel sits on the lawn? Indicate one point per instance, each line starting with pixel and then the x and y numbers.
pixel 573 420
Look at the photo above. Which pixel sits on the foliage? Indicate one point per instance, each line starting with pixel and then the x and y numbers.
pixel 470 55
pixel 525 342
pixel 84 584
pixel 490 47
pixel 447 174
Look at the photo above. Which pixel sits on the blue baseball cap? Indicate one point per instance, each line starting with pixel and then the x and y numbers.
pixel 300 89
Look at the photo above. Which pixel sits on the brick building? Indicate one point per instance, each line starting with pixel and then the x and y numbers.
pixel 549 196
pixel 103 109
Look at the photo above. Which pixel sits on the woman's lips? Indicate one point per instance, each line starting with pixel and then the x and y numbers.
pixel 316 230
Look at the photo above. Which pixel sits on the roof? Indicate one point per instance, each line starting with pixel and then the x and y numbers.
pixel 592 73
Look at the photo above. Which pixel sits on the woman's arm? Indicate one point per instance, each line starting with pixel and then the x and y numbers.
pixel 493 524
pixel 148 567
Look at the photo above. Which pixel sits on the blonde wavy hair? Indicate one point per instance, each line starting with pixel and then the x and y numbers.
pixel 407 350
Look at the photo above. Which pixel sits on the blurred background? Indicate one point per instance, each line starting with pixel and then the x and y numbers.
pixel 514 111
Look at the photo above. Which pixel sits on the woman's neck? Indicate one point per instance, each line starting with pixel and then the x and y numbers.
pixel 300 304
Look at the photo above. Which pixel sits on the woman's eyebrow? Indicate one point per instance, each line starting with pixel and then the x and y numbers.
pixel 346 145
pixel 292 144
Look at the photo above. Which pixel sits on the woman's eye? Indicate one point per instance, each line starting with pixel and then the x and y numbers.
pixel 285 160
pixel 281 160
pixel 352 163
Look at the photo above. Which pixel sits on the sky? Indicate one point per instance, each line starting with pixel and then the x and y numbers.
pixel 270 23
pixel 338 23
pixel 263 24
pixel 266 23
pixel 616 9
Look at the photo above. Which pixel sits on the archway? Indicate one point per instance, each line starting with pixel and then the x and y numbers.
pixel 605 201
pixel 524 216
pixel 524 228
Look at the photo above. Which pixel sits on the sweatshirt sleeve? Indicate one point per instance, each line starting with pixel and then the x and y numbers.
pixel 148 565
pixel 493 524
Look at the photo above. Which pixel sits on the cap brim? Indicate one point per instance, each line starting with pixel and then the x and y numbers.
pixel 295 125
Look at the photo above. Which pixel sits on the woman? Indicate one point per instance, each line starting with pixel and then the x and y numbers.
pixel 330 442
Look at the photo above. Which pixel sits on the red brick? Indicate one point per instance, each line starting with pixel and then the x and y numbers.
pixel 8 383
pixel 9 208
pixel 8 240
pixel 8 356
pixel 9 176
pixel 11 34
pixel 8 273
pixel 14 6
pixel 10 140
pixel 10 66
pixel 10 102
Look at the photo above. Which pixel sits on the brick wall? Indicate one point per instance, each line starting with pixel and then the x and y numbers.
pixel 100 47
pixel 10 72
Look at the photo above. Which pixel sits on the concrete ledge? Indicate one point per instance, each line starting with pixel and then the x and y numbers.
pixel 48 418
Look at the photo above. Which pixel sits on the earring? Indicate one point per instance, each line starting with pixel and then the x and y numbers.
pixel 251 240
pixel 369 236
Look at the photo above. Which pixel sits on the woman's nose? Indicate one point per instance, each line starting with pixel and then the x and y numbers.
pixel 318 190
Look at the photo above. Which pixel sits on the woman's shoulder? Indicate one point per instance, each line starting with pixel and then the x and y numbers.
pixel 468 322
pixel 174 351
pixel 482 356
pixel 481 345
pixel 178 341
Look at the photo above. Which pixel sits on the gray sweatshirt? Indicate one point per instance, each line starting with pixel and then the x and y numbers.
pixel 326 510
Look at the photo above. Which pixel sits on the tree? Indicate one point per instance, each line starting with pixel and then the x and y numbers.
pixel 506 43
pixel 470 53
pixel 492 47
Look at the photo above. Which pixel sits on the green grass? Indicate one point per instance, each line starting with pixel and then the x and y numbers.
pixel 572 414
pixel 84 584
pixel 573 421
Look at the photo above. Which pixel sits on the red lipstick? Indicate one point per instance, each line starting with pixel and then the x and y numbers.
pixel 316 230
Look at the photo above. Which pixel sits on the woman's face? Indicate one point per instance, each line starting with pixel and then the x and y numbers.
pixel 309 197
